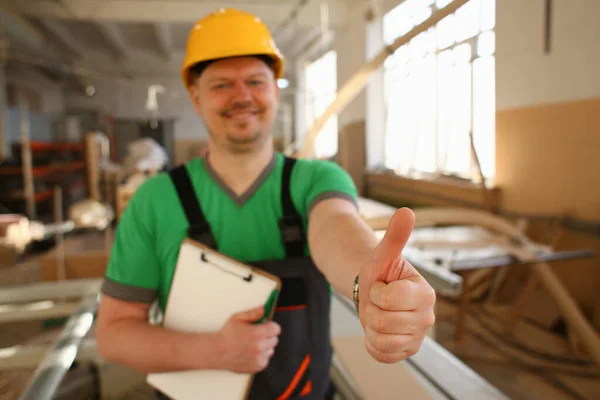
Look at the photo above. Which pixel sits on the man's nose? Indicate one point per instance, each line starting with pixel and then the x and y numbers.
pixel 241 91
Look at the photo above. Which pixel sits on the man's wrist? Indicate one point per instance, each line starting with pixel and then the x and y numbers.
pixel 210 351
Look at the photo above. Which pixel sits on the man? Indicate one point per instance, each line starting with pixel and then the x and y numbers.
pixel 294 218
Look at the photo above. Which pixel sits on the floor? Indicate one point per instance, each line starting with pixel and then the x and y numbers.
pixel 530 364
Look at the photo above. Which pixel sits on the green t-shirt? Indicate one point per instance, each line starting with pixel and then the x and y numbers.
pixel 153 225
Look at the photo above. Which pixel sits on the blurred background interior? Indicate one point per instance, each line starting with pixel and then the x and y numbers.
pixel 486 123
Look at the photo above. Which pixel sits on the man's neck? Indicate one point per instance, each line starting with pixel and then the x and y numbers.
pixel 239 171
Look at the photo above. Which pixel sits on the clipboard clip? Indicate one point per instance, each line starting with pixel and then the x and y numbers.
pixel 247 278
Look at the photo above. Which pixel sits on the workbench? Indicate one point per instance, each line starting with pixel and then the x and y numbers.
pixel 448 255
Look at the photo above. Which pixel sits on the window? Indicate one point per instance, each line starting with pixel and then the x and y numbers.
pixel 321 87
pixel 438 88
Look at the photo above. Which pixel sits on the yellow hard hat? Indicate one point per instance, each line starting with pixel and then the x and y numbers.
pixel 228 33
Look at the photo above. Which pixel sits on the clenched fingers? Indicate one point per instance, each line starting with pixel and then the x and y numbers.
pixel 385 357
pixel 387 343
pixel 270 329
pixel 268 343
pixel 394 322
pixel 402 295
pixel 393 348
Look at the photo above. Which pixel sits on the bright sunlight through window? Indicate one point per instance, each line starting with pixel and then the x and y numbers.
pixel 321 86
pixel 439 87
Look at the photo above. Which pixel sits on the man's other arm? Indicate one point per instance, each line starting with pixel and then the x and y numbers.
pixel 340 242
pixel 126 337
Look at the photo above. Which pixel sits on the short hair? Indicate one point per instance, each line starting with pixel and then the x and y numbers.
pixel 197 69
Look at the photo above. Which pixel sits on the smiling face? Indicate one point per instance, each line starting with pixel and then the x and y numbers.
pixel 237 98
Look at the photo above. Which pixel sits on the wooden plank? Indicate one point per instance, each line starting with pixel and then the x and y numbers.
pixel 376 381
pixel 442 374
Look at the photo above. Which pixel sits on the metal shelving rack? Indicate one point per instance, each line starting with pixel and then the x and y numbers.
pixel 56 174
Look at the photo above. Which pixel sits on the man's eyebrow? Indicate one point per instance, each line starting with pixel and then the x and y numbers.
pixel 217 79
pixel 258 74
pixel 222 78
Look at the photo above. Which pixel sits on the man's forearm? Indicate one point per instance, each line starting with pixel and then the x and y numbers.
pixel 342 244
pixel 146 348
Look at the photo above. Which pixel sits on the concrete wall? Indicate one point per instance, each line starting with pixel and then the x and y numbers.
pixel 126 99
pixel 548 107
pixel 525 74
pixel 350 46
pixel 51 93
pixel 42 120
pixel 40 125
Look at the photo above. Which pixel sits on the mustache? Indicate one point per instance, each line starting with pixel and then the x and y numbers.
pixel 247 107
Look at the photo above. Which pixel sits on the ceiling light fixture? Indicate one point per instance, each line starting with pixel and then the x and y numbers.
pixel 283 83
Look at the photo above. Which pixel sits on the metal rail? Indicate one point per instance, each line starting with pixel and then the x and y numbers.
pixel 503 260
pixel 49 290
pixel 31 355
pixel 36 310
pixel 48 376
pixel 440 279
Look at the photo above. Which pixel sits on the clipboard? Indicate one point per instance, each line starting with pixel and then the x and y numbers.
pixel 207 289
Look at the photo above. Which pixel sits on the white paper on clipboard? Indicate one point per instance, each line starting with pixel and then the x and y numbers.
pixel 207 289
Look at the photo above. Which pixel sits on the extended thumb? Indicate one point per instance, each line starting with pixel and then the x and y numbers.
pixel 396 235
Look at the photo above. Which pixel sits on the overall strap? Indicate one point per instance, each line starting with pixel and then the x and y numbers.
pixel 199 228
pixel 292 230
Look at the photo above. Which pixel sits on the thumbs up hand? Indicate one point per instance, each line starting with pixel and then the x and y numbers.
pixel 395 301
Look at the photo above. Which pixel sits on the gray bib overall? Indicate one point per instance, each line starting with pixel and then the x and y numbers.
pixel 299 368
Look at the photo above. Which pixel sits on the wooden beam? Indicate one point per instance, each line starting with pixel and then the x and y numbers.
pixel 111 32
pixel 164 39
pixel 62 34
pixel 271 12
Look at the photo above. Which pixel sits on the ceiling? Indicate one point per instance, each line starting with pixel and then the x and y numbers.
pixel 144 38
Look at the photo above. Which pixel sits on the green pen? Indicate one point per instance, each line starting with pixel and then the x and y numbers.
pixel 269 306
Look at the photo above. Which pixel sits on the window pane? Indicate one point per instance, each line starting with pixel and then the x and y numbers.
pixel 421 15
pixel 462 53
pixel 321 82
pixel 445 32
pixel 456 109
pixel 442 3
pixel 396 23
pixel 403 55
pixel 435 99
pixel 467 21
pixel 420 46
pixel 486 44
pixel 425 3
pixel 484 110
pixel 400 127
pixel 488 14
pixel 424 96
pixel 445 117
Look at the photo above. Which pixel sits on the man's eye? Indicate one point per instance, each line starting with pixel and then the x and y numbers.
pixel 256 83
pixel 220 86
